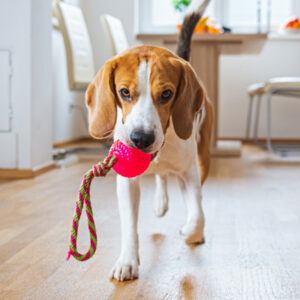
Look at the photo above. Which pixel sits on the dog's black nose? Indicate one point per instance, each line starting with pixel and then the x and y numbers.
pixel 142 139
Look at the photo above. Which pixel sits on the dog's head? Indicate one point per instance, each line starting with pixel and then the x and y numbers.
pixel 146 86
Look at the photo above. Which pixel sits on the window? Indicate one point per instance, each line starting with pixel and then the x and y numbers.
pixel 159 16
pixel 245 14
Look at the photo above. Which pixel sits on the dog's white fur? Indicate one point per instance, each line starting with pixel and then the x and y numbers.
pixel 172 151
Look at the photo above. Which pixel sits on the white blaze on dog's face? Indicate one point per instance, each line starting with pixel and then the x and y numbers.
pixel 142 127
pixel 136 94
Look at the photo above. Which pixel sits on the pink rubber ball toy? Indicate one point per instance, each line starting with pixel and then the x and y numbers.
pixel 131 162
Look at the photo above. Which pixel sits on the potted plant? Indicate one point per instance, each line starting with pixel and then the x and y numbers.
pixel 180 6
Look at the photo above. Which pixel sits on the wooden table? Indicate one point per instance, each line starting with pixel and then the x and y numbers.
pixel 205 52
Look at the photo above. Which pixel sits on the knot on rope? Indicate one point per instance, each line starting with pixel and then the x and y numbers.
pixel 98 170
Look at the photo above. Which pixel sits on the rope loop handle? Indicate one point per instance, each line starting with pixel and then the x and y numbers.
pixel 98 170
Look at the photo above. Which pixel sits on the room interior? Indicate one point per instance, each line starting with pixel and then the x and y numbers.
pixel 50 51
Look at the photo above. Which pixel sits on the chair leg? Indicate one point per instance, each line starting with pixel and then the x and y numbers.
pixel 269 120
pixel 256 122
pixel 249 115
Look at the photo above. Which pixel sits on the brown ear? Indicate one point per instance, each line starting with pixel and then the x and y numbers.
pixel 101 102
pixel 188 101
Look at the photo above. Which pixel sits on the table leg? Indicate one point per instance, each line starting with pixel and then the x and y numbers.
pixel 205 60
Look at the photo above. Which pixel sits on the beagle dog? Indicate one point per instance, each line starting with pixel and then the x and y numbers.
pixel 151 99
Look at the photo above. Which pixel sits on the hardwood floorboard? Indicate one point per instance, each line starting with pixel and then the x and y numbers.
pixel 252 247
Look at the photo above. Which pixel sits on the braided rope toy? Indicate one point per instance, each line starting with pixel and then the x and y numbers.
pixel 126 161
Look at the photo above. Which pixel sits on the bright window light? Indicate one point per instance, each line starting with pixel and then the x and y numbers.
pixel 156 16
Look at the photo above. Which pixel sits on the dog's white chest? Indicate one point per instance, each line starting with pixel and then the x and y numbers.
pixel 176 155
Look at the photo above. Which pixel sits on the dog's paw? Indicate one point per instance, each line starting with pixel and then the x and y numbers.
pixel 160 204
pixel 125 269
pixel 193 233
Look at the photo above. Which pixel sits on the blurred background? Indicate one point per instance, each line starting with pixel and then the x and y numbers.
pixel 39 109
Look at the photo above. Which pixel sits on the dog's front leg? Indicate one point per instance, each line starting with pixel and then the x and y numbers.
pixel 161 195
pixel 190 184
pixel 128 191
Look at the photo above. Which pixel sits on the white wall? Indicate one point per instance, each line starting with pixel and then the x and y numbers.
pixel 25 32
pixel 16 39
pixel 278 58
pixel 41 83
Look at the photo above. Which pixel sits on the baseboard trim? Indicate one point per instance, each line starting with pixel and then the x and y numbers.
pixel 67 143
pixel 16 173
pixel 43 168
pixel 79 140
pixel 26 173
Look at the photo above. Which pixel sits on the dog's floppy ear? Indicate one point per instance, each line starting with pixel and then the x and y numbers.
pixel 188 101
pixel 101 102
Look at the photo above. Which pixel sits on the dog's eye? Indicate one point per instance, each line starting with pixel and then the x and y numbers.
pixel 125 94
pixel 166 96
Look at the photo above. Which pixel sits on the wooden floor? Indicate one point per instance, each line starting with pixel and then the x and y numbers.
pixel 252 248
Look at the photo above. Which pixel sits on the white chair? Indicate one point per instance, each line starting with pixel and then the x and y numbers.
pixel 80 62
pixel 287 86
pixel 79 53
pixel 115 33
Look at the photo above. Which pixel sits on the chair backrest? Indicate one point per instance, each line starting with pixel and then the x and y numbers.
pixel 116 34
pixel 79 53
